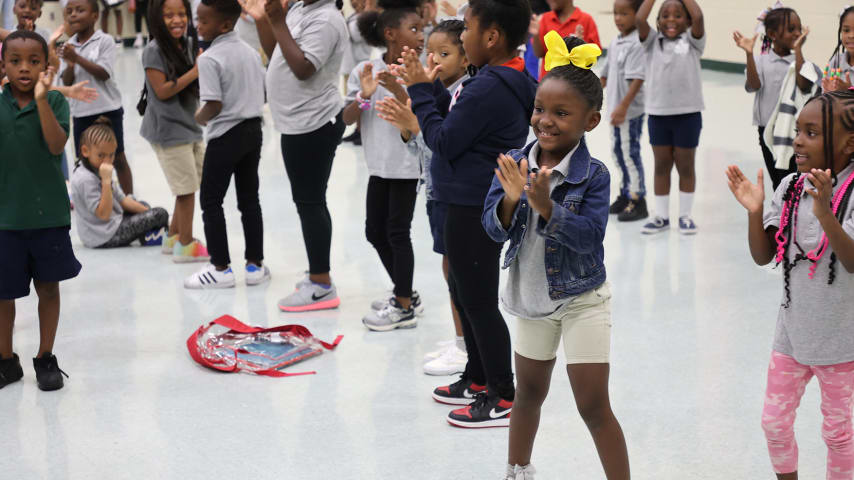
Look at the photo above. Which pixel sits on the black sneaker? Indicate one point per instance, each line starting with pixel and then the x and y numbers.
pixel 635 210
pixel 461 392
pixel 355 138
pixel 48 373
pixel 486 411
pixel 10 370
pixel 619 205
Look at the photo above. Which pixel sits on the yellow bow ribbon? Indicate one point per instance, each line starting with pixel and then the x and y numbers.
pixel 557 55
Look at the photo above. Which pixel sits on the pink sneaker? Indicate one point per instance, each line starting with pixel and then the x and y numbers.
pixel 194 252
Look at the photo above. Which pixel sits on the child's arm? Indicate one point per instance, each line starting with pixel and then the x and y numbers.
pixel 78 91
pixel 537 36
pixel 753 82
pixel 512 178
pixel 69 53
pixel 698 28
pixel 105 204
pixel 166 89
pixel 132 206
pixel 640 19
pixel 55 136
pixel 207 112
pixel 365 83
pixel 301 63
pixel 822 193
pixel 618 116
pixel 803 83
pixel 752 198
pixel 67 75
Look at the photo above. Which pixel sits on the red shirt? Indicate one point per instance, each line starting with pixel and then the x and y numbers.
pixel 550 22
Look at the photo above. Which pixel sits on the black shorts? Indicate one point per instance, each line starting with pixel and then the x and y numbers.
pixel 682 131
pixel 44 254
pixel 116 118
pixel 436 213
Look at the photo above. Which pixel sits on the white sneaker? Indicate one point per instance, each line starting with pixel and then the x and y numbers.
pixel 256 275
pixel 451 362
pixel 381 303
pixel 517 472
pixel 443 345
pixel 139 42
pixel 210 277
pixel 391 317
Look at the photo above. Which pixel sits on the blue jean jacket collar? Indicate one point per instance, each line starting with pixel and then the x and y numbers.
pixel 579 163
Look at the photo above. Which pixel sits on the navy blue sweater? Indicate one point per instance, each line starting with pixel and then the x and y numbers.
pixel 491 116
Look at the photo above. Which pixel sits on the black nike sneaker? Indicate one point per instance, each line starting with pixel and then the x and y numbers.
pixel 488 410
pixel 461 392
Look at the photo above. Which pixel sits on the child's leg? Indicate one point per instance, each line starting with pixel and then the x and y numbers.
pixel 590 388
pixel 474 370
pixel 620 142
pixel 787 380
pixel 401 207
pixel 687 179
pixel 664 160
pixel 220 158
pixel 533 378
pixel 246 186
pixel 105 16
pixel 119 23
pixel 836 383
pixel 458 327
pixel 182 219
pixel 7 325
pixel 48 293
pixel 135 226
pixel 637 181
pixel 376 221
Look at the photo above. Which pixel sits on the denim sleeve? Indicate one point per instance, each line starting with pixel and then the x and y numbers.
pixel 491 222
pixel 581 231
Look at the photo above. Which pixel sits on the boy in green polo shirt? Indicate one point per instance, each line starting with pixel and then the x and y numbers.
pixel 35 214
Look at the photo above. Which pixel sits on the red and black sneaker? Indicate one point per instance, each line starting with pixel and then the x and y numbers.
pixel 461 392
pixel 486 411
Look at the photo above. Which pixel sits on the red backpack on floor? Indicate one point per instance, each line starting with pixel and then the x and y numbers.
pixel 229 345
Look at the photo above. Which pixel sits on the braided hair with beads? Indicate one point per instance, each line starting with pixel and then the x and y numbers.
pixel 777 20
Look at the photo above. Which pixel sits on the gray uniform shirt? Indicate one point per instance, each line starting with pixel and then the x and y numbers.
pixel 772 70
pixel 385 154
pixel 86 195
pixel 673 84
pixel 817 328
pixel 100 49
pixel 626 61
pixel 167 122
pixel 230 72
pixel 526 293
pixel 302 106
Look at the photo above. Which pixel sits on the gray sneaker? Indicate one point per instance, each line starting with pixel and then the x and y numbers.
pixel 310 296
pixel 392 316
pixel 381 303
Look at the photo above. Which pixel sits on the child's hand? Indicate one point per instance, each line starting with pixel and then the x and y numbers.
pixel 799 43
pixel 412 72
pixel 534 25
pixel 44 84
pixel 836 84
pixel 396 113
pixel 390 83
pixel 55 36
pixel 539 192
pixel 750 196
pixel 79 91
pixel 255 8
pixel 512 177
pixel 448 9
pixel 579 32
pixel 744 43
pixel 105 171
pixel 276 10
pixel 618 116
pixel 367 81
pixel 68 53
pixel 821 193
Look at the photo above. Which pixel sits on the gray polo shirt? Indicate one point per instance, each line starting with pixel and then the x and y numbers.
pixel 385 154
pixel 673 84
pixel 86 195
pixel 167 122
pixel 626 61
pixel 302 106
pixel 358 51
pixel 772 70
pixel 816 329
pixel 100 49
pixel 526 293
pixel 230 72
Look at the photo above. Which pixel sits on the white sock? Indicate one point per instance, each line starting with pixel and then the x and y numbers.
pixel 686 202
pixel 461 343
pixel 662 206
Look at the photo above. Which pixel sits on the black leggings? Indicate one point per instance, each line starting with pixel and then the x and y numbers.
pixel 135 226
pixel 473 279
pixel 776 174
pixel 237 153
pixel 141 14
pixel 308 161
pixel 390 205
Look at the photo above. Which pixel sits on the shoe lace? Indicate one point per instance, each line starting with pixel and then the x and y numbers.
pixel 53 366
pixel 481 399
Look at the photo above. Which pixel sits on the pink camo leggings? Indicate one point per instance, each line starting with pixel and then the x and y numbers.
pixel 787 380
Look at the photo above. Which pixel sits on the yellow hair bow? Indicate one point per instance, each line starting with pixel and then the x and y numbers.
pixel 557 55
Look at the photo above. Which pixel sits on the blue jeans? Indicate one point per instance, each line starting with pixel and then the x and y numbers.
pixel 625 145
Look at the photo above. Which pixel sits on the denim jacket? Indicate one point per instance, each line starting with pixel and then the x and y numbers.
pixel 575 256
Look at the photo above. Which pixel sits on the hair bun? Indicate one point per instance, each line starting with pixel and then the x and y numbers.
pixel 392 4
pixel 572 41
pixel 102 120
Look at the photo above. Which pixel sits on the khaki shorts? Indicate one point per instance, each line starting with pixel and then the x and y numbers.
pixel 584 323
pixel 182 165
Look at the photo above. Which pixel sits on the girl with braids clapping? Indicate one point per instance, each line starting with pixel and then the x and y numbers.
pixel 809 229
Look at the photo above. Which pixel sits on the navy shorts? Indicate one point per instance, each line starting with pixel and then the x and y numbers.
pixel 26 255
pixel 116 118
pixel 682 131
pixel 436 212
